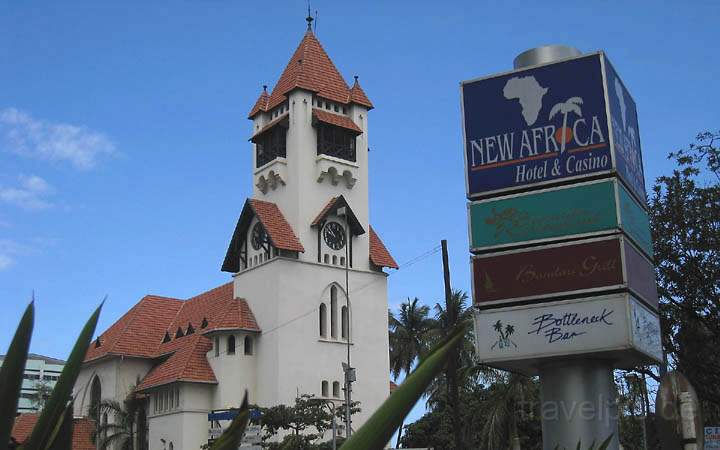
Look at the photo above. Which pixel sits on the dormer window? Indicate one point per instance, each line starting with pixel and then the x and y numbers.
pixel 336 141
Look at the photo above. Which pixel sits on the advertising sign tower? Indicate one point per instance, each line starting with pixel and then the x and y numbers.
pixel 562 264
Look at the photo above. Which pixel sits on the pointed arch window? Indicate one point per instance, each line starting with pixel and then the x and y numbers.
pixel 231 345
pixel 179 333
pixel 333 312
pixel 323 320
pixel 345 323
pixel 166 339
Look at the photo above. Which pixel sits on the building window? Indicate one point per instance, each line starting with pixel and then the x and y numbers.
pixel 270 145
pixel 171 446
pixel 336 389
pixel 231 345
pixel 217 346
pixel 323 320
pixel 326 258
pixel 177 397
pixel 344 314
pixel 342 261
pixel 335 141
pixel 333 312
pixel 248 345
pixel 95 397
pixel 324 388
pixel 335 260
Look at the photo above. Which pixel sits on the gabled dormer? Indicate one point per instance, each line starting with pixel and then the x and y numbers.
pixel 337 229
pixel 261 234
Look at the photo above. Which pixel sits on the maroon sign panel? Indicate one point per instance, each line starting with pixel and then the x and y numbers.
pixel 557 270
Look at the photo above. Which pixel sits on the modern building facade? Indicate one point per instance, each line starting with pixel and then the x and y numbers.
pixel 284 323
pixel 41 372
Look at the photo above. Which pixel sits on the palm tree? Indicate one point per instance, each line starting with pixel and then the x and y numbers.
pixel 120 433
pixel 570 105
pixel 460 370
pixel 501 428
pixel 409 335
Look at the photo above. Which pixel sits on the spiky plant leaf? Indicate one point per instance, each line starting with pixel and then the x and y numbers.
pixel 378 430
pixel 42 434
pixel 62 437
pixel 11 373
pixel 230 439
pixel 606 443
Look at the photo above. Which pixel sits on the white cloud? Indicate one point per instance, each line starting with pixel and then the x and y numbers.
pixel 24 135
pixel 31 193
pixel 8 250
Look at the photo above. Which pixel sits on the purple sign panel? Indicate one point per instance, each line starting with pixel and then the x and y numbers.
pixel 536 125
pixel 625 134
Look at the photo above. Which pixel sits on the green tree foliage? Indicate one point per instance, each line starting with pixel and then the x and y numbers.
pixel 410 333
pixel 119 433
pixel 685 221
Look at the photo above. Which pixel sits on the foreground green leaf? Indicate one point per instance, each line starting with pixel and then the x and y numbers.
pixel 11 373
pixel 603 446
pixel 378 430
pixel 230 439
pixel 55 408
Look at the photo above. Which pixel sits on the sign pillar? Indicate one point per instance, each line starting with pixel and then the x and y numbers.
pixel 578 403
pixel 578 397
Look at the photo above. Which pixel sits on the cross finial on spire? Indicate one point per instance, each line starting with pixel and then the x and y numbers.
pixel 309 17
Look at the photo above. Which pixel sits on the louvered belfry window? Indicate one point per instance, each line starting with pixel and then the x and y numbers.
pixel 336 141
pixel 270 145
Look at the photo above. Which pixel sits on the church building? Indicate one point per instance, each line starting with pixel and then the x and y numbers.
pixel 307 280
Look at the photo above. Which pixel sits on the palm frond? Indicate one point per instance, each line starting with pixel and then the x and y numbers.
pixel 555 110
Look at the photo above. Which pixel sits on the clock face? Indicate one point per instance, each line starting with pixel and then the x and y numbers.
pixel 334 235
pixel 258 237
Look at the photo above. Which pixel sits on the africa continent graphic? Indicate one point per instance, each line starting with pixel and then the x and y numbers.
pixel 529 92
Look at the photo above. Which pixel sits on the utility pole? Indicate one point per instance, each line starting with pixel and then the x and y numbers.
pixel 451 370
pixel 348 370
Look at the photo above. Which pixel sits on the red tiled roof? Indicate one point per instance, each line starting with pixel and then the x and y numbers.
pixel 278 229
pixel 269 125
pixel 261 104
pixel 335 119
pixel 337 202
pixel 357 95
pixel 310 68
pixel 82 430
pixel 379 254
pixel 140 333
pixel 187 363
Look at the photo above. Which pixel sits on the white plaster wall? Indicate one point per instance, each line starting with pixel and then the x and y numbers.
pixel 116 376
pixel 234 373
pixel 285 295
pixel 187 426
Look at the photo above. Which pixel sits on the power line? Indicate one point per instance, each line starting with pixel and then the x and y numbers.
pixel 409 263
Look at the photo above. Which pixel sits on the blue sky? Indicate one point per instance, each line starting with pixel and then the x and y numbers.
pixel 124 159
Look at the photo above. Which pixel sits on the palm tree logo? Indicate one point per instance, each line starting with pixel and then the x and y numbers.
pixel 571 105
pixel 504 334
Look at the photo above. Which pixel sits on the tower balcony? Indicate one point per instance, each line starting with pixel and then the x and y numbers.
pixel 336 170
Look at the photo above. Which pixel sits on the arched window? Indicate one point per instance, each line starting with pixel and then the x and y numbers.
pixel 336 389
pixel 95 397
pixel 171 446
pixel 248 345
pixel 323 320
pixel 217 346
pixel 324 388
pixel 231 345
pixel 345 328
pixel 333 312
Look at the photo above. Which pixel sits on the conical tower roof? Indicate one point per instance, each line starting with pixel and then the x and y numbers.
pixel 311 68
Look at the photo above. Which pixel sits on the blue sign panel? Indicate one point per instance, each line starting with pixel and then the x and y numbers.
pixel 625 134
pixel 542 124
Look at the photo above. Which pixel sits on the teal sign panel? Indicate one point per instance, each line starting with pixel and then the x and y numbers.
pixel 578 210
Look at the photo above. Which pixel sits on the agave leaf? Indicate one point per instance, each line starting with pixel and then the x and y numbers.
pixel 42 434
pixel 378 430
pixel 606 443
pixel 230 439
pixel 11 373
pixel 61 438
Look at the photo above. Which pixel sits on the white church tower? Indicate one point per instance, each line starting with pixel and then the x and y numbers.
pixel 308 289
pixel 305 233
